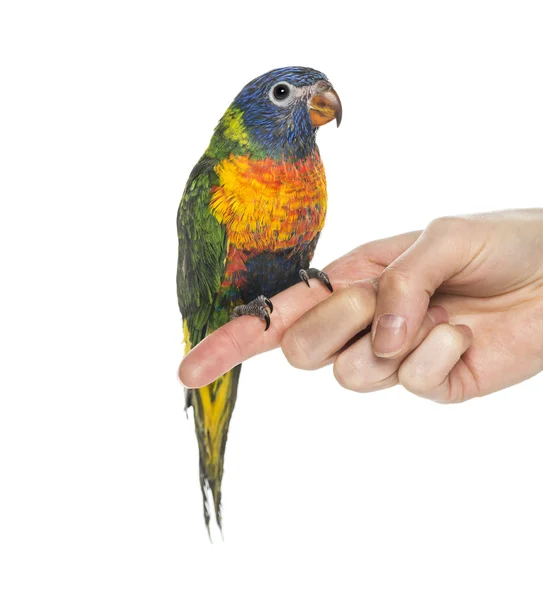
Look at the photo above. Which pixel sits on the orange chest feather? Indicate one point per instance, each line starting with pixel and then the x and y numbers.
pixel 270 206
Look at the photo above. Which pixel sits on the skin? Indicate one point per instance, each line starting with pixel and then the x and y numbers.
pixel 467 295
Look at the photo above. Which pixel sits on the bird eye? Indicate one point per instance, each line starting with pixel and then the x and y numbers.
pixel 280 93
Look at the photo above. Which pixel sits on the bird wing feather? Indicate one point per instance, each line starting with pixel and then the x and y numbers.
pixel 202 251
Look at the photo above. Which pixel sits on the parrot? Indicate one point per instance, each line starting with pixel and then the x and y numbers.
pixel 248 223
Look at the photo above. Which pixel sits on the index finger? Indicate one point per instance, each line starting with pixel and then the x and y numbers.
pixel 244 337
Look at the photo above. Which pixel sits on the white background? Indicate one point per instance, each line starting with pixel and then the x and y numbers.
pixel 105 108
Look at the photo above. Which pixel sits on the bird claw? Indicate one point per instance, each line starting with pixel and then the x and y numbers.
pixel 304 277
pixel 315 274
pixel 257 308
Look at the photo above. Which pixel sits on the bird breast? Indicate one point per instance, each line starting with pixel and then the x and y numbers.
pixel 268 205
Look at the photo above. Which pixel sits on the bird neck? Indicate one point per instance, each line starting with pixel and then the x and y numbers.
pixel 289 140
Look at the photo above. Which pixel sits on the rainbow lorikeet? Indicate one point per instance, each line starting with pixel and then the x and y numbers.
pixel 248 223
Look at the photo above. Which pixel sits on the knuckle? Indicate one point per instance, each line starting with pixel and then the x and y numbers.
pixel 296 351
pixel 394 277
pixel 412 382
pixel 417 379
pixel 355 304
pixel 346 374
pixel 447 225
pixel 354 299
pixel 348 367
pixel 353 373
pixel 230 339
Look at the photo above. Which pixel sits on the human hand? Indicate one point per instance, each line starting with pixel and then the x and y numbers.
pixel 468 292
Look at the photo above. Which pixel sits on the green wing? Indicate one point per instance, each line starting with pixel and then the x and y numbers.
pixel 202 251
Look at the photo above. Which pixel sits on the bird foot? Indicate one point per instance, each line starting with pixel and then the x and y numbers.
pixel 315 274
pixel 257 308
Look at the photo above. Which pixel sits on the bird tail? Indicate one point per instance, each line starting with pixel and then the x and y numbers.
pixel 213 406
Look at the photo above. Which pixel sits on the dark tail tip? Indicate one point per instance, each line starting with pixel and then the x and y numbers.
pixel 211 488
pixel 188 398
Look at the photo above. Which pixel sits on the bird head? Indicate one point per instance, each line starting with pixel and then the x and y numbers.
pixel 281 111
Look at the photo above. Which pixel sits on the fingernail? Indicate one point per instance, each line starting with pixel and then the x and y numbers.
pixel 438 314
pixel 390 335
pixel 467 330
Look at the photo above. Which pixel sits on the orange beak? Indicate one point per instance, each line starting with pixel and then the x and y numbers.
pixel 325 107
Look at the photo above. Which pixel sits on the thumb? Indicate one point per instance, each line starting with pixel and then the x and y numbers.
pixel 408 283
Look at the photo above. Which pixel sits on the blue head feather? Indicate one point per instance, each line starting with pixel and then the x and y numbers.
pixel 279 131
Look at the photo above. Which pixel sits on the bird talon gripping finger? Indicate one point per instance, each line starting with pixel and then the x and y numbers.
pixel 249 219
pixel 315 274
pixel 256 308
